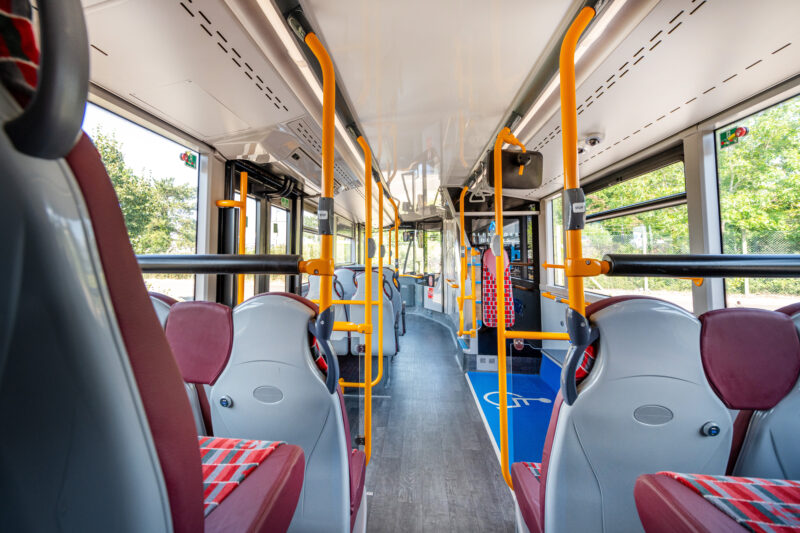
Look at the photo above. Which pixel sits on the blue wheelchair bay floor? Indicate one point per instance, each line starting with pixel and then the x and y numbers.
pixel 530 402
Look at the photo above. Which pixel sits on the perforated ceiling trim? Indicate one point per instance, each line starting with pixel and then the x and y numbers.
pixel 227 47
pixel 748 67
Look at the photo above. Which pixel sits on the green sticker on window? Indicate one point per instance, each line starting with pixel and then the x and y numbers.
pixel 731 136
pixel 285 202
pixel 189 159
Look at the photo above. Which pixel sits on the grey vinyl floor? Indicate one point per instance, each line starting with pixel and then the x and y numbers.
pixel 433 467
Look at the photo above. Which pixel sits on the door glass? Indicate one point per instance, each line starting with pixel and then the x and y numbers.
pixel 250 240
pixel 278 240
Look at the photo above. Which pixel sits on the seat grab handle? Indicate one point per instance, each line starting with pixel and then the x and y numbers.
pixel 49 126
pixel 581 336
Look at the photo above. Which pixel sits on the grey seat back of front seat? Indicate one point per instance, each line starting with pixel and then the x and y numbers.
pixel 276 392
pixel 76 452
pixel 341 313
pixel 641 410
pixel 357 316
pixel 771 447
pixel 397 298
pixel 346 277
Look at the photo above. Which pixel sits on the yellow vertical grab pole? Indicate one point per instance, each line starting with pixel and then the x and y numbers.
pixel 241 205
pixel 379 297
pixel 328 131
pixel 474 290
pixel 396 236
pixel 569 139
pixel 503 137
pixel 368 299
pixel 463 274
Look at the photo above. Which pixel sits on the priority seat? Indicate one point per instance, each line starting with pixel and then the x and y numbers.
pixel 272 388
pixel 752 360
pixel 379 294
pixel 642 408
pixel 109 443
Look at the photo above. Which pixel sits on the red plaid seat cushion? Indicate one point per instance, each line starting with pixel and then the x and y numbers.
pixel 757 504
pixel 226 463
pixel 535 468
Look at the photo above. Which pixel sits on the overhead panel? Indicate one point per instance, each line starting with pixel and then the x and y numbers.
pixel 188 62
pixel 431 81
pixel 687 61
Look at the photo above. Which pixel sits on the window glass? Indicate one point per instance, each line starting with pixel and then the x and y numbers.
pixel 663 182
pixel 433 252
pixel 412 252
pixel 557 238
pixel 250 239
pixel 659 231
pixel 343 251
pixel 156 183
pixel 310 221
pixel 759 194
pixel 279 238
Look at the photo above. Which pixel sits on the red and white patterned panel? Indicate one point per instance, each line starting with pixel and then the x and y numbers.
pixel 757 504
pixel 489 288
pixel 226 463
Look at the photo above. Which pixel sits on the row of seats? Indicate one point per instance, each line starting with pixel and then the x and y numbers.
pixel 351 285
pixel 663 394
pixel 757 494
pixel 253 372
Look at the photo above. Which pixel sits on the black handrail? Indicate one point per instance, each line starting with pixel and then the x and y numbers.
pixel 704 266
pixel 220 264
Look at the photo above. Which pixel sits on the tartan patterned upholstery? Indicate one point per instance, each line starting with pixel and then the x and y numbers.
pixel 586 364
pixel 757 504
pixel 226 463
pixel 489 296
pixel 19 53
pixel 535 468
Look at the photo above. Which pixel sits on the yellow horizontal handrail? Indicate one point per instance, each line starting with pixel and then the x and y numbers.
pixel 349 302
pixel 411 276
pixel 537 335
pixel 548 265
pixel 352 326
pixel 556 298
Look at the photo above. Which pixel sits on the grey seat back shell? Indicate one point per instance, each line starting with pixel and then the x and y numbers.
pixel 641 410
pixel 357 316
pixel 162 312
pixel 346 277
pixel 276 392
pixel 397 298
pixel 62 352
pixel 341 313
pixel 770 447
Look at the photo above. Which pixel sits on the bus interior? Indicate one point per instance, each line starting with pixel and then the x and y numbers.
pixel 313 266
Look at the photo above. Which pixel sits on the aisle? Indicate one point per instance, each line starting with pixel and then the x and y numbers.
pixel 433 465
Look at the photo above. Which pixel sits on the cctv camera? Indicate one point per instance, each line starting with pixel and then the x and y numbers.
pixel 593 139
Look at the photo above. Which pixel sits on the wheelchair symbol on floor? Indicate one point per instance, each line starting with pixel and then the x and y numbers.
pixel 514 400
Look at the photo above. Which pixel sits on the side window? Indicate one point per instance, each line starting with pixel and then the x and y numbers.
pixel 312 245
pixel 344 242
pixel 556 254
pixel 758 169
pixel 641 215
pixel 156 182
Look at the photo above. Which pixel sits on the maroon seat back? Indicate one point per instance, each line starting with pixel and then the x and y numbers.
pixel 201 337
pixel 751 357
pixel 157 375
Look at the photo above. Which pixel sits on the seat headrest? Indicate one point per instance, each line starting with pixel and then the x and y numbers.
pixel 608 302
pixel 201 337
pixel 169 300
pixel 791 309
pixel 751 357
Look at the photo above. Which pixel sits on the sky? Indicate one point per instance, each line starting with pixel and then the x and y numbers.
pixel 144 151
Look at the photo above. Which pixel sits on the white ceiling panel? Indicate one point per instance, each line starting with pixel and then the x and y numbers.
pixel 190 63
pixel 430 81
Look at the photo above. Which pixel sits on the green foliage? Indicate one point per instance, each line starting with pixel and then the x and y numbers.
pixel 759 184
pixel 160 215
